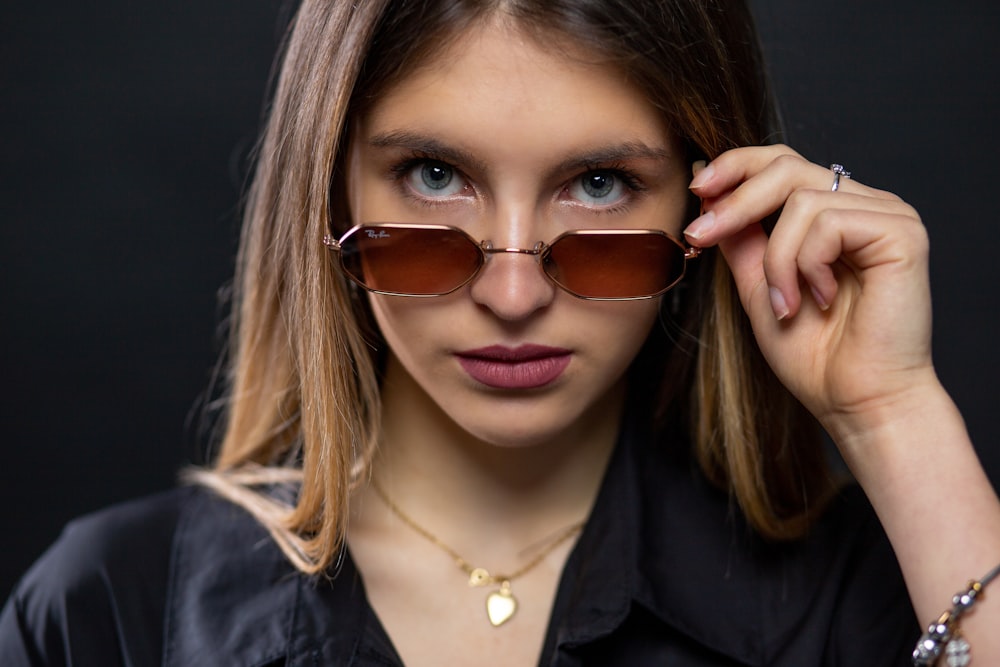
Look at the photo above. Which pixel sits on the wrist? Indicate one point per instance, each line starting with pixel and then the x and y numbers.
pixel 898 428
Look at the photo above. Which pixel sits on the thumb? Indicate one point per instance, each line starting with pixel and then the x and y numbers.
pixel 744 253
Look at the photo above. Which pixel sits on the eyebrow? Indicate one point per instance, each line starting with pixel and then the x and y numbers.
pixel 419 143
pixel 630 150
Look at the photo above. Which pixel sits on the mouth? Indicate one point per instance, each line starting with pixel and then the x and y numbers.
pixel 524 367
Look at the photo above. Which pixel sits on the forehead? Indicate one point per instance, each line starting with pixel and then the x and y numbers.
pixel 501 83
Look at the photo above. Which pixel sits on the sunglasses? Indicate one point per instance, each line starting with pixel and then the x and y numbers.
pixel 434 260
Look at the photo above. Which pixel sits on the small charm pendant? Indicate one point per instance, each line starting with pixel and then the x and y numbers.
pixel 958 653
pixel 501 605
pixel 479 577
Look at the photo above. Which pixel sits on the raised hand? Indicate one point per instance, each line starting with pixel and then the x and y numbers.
pixel 837 295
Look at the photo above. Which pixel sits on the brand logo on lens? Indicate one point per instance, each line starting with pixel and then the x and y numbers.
pixel 372 234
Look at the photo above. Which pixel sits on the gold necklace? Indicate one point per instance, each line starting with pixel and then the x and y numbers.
pixel 501 603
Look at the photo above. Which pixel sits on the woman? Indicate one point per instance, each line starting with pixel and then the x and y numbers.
pixel 481 420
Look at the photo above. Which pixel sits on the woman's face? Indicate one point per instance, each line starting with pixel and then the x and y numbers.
pixel 514 143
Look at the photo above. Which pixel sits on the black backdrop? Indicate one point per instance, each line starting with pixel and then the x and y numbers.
pixel 125 141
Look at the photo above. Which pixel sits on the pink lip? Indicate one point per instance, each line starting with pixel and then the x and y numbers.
pixel 523 367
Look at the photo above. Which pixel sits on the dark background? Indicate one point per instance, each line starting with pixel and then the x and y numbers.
pixel 125 142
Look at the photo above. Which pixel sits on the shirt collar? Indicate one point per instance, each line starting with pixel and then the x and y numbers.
pixel 661 538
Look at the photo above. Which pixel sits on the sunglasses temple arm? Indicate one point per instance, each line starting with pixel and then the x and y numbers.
pixel 331 243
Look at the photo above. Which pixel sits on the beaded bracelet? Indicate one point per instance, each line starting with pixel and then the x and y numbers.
pixel 943 635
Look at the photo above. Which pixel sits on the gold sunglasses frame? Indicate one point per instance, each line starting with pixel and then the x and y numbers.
pixel 486 249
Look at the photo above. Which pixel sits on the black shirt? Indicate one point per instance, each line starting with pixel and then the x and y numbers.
pixel 664 573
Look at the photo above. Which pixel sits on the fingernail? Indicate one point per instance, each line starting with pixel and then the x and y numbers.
pixel 700 226
pixel 701 175
pixel 820 301
pixel 778 304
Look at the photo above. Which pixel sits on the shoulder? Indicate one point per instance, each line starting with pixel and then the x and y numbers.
pixel 116 536
pixel 121 541
pixel 100 587
pixel 182 578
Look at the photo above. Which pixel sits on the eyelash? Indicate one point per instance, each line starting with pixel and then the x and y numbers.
pixel 632 182
pixel 400 169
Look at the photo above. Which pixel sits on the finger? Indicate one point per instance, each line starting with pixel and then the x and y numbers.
pixel 740 164
pixel 744 254
pixel 867 242
pixel 802 211
pixel 746 185
pixel 798 252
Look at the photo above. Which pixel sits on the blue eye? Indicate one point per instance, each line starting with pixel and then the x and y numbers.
pixel 435 176
pixel 434 179
pixel 598 187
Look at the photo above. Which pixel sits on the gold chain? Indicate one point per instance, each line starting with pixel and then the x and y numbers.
pixel 500 605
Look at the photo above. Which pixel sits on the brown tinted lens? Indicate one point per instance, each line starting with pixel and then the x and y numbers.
pixel 610 265
pixel 410 260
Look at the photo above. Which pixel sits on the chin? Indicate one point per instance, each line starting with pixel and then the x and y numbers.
pixel 521 429
pixel 505 439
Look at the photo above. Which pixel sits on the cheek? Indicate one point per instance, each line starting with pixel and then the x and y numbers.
pixel 408 325
pixel 612 338
pixel 624 333
pixel 386 319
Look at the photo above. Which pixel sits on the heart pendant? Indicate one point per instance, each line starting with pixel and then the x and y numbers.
pixel 501 605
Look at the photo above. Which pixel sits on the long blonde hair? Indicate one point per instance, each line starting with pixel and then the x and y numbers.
pixel 303 395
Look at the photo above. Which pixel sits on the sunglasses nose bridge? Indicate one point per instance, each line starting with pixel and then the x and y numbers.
pixel 539 252
pixel 488 249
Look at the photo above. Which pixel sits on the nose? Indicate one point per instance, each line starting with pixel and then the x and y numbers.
pixel 512 285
